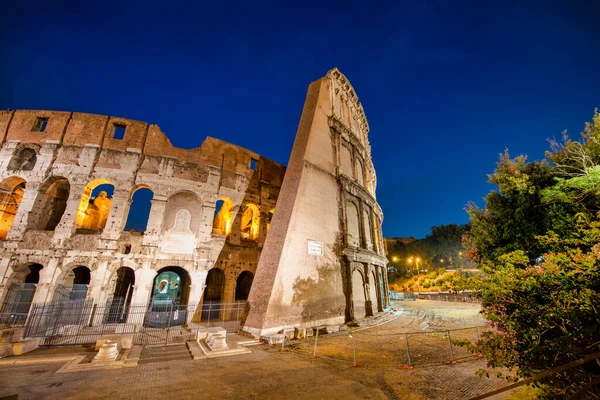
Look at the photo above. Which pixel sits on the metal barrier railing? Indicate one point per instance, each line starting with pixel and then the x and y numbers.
pixel 82 322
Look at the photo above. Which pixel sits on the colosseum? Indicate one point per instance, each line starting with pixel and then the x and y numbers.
pixel 105 211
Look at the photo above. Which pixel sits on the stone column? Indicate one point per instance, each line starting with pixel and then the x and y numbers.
pixel 208 215
pixel 97 286
pixel 144 278
pixel 4 275
pixel 196 291
pixel 117 215
pixel 155 219
pixel 387 290
pixel 66 226
pixel 379 290
pixel 368 302
pixel 7 153
pixel 43 292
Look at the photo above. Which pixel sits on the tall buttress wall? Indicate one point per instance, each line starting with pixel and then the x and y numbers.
pixel 323 264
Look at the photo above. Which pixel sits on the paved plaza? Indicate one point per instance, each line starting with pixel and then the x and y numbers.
pixel 267 373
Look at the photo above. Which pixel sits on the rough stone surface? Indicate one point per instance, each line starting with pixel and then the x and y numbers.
pixel 322 262
pixel 324 254
pixel 49 216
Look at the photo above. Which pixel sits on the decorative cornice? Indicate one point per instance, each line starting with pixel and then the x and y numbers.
pixel 346 133
pixel 355 189
pixel 364 256
pixel 344 83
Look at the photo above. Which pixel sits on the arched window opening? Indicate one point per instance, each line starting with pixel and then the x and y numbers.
pixel 223 218
pixel 169 299
pixel 243 285
pixel 19 295
pixel 122 282
pixel 11 194
pixel 24 160
pixel 74 285
pixel 213 294
pixel 95 205
pixel 139 210
pixel 250 225
pixel 50 205
pixel 352 225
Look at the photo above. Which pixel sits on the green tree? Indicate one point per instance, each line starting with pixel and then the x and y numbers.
pixel 538 240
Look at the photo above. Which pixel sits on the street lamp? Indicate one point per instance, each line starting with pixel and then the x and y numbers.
pixel 418 260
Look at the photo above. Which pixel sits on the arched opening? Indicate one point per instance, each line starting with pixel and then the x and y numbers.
pixel 242 286
pixel 139 210
pixel 50 204
pixel 94 207
pixel 74 285
pixel 19 295
pixel 11 194
pixel 352 225
pixel 123 282
pixel 24 160
pixel 223 218
pixel 213 294
pixel 249 228
pixel 170 292
pixel 358 295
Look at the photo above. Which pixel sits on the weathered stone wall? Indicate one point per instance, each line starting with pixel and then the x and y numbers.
pixel 82 150
pixel 319 263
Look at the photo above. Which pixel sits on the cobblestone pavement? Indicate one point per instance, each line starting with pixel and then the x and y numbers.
pixel 267 373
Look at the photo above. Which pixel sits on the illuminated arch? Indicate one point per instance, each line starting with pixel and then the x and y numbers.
pixel 94 206
pixel 11 194
pixel 250 226
pixel 223 218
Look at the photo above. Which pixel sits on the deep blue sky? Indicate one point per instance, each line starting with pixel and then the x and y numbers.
pixel 446 85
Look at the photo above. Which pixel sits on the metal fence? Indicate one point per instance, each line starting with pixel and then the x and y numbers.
pixel 394 350
pixel 438 296
pixel 16 305
pixel 83 322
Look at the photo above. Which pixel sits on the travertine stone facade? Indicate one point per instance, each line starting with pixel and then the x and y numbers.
pixel 323 262
pixel 50 164
pixel 67 182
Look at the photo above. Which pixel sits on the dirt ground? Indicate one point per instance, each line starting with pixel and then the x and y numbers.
pixel 267 373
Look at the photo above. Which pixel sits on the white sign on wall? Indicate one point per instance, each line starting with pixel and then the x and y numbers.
pixel 315 248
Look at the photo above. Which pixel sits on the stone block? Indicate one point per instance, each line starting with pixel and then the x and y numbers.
pixel 25 346
pixel 300 333
pixel 6 349
pixel 125 341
